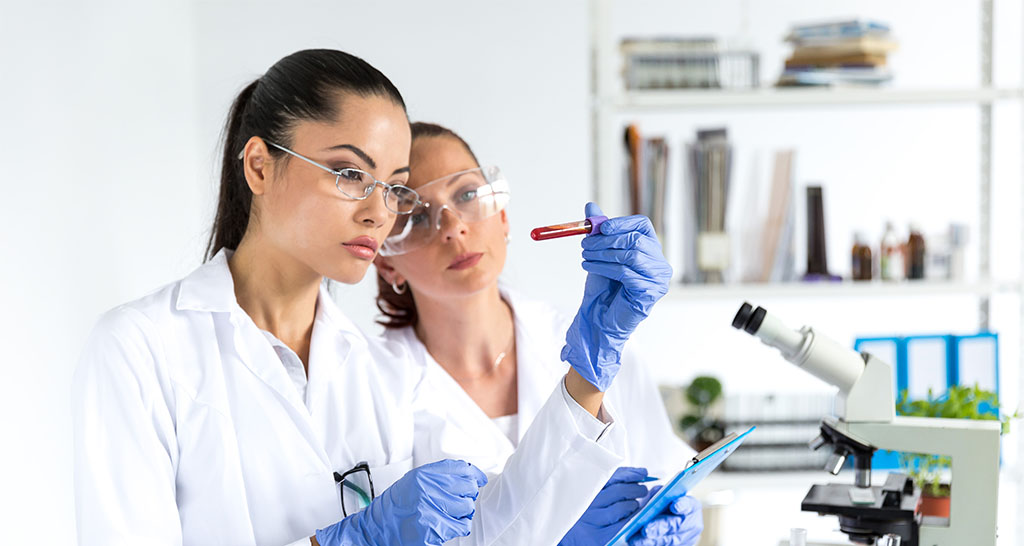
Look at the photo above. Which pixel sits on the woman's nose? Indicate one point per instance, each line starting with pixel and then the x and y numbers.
pixel 374 212
pixel 450 224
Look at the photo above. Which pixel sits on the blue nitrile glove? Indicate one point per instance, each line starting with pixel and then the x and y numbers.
pixel 680 525
pixel 611 509
pixel 626 275
pixel 430 504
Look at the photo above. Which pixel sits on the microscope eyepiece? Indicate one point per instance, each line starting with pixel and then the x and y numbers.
pixel 749 319
pixel 818 355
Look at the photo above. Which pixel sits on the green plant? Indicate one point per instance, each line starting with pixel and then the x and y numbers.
pixel 958 402
pixel 700 425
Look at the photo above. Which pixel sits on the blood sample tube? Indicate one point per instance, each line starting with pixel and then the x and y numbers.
pixel 583 227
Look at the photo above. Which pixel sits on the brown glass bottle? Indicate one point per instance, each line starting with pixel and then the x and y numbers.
pixel 861 264
pixel 915 254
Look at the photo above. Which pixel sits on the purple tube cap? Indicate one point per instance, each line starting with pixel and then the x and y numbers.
pixel 595 223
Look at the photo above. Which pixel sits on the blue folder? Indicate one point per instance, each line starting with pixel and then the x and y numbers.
pixel 703 464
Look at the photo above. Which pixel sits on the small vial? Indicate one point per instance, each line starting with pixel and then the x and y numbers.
pixel 583 227
pixel 797 537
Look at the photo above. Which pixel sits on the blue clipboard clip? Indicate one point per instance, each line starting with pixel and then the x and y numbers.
pixel 697 468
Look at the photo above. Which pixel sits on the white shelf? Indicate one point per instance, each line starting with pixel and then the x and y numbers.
pixel 799 97
pixel 845 289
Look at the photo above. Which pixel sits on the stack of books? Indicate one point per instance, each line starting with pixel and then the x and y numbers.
pixel 647 176
pixel 844 52
pixel 680 62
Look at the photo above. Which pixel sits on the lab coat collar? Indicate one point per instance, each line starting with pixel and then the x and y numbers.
pixel 210 287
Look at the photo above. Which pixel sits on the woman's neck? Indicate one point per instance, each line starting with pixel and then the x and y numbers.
pixel 276 292
pixel 466 335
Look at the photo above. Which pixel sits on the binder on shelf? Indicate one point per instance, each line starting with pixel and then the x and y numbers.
pixel 977 360
pixel 886 349
pixel 934 363
pixel 930 370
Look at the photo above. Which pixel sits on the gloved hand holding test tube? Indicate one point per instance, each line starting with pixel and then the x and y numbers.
pixel 626 274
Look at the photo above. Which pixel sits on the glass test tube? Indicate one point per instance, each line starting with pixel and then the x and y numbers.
pixel 583 227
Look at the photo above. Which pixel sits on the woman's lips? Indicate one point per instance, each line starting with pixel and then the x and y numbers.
pixel 465 261
pixel 363 247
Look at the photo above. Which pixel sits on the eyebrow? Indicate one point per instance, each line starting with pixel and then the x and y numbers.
pixel 364 156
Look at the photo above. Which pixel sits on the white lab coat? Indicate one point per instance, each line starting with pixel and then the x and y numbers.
pixel 540 334
pixel 188 430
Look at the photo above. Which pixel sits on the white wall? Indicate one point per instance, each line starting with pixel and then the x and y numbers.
pixel 108 132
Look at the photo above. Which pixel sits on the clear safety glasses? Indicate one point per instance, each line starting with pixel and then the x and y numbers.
pixel 471 195
pixel 357 184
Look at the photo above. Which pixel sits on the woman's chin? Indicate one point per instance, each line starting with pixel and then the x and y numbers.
pixel 348 273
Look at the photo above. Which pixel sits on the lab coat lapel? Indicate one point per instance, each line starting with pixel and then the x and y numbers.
pixel 211 288
pixel 532 381
pixel 535 374
pixel 331 346
pixel 463 411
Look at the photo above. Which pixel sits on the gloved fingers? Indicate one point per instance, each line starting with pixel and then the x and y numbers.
pixel 457 467
pixel 648 250
pixel 609 515
pixel 685 538
pixel 663 525
pixel 654 491
pixel 451 506
pixel 616 492
pixel 685 506
pixel 623 224
pixel 452 528
pixel 631 280
pixel 635 259
pixel 631 240
pixel 627 474
pixel 591 209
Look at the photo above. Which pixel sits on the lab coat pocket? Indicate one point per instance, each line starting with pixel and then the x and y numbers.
pixel 385 475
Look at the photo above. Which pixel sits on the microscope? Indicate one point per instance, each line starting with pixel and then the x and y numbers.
pixel 865 420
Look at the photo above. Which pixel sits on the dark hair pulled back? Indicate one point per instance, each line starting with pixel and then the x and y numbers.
pixel 303 86
pixel 400 309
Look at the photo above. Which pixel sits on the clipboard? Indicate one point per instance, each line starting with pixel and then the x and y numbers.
pixel 699 468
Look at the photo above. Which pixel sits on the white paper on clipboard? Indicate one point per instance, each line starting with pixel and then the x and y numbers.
pixel 703 464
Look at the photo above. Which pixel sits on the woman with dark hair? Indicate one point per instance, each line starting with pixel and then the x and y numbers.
pixel 489 355
pixel 240 406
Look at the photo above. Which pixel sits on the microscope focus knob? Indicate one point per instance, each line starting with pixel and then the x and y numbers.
pixel 835 462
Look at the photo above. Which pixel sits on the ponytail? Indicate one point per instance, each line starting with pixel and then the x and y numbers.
pixel 235 200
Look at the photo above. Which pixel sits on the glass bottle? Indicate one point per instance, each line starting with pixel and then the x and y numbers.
pixel 915 253
pixel 861 255
pixel 890 255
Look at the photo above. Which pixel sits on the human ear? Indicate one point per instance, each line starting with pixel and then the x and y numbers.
pixel 256 165
pixel 387 271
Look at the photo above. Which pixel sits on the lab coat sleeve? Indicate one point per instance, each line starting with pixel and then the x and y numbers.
pixel 636 400
pixel 562 462
pixel 125 451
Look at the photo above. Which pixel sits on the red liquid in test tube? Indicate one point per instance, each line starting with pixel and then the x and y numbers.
pixel 583 227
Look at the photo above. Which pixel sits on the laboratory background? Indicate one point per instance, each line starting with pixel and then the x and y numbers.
pixel 862 178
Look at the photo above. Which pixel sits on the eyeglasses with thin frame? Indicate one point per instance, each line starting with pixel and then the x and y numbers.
pixel 358 184
pixel 357 480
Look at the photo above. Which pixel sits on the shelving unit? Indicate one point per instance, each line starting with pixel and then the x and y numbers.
pixel 639 101
pixel 610 100
pixel 846 289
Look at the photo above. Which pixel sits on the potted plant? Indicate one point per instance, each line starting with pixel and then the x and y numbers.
pixel 702 428
pixel 927 471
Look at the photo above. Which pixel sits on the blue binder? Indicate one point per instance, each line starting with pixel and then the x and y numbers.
pixel 934 362
pixel 703 464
